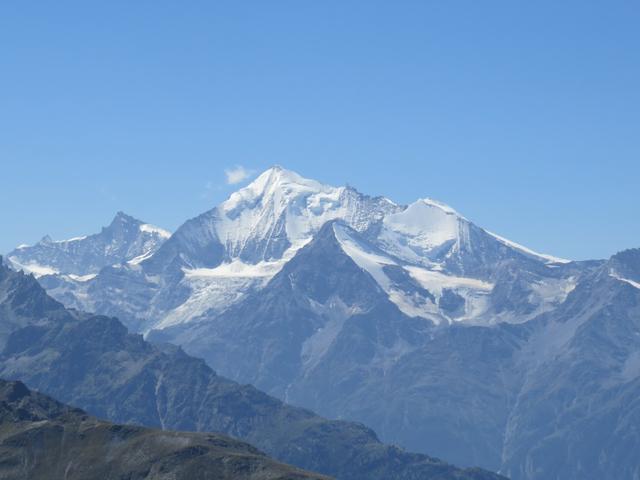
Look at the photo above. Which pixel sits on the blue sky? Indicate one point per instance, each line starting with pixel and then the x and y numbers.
pixel 524 116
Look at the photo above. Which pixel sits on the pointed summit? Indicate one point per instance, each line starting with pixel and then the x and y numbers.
pixel 279 184
pixel 123 218
pixel 278 177
pixel 122 225
pixel 268 220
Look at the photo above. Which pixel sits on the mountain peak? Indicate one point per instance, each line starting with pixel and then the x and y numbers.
pixel 279 176
pixel 122 217
pixel 275 181
pixel 124 239
pixel 276 168
pixel 439 205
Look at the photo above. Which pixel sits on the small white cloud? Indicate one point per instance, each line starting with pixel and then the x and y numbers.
pixel 237 174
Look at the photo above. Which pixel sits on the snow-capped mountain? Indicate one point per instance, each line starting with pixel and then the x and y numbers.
pixel 424 252
pixel 334 327
pixel 126 239
pixel 445 337
pixel 236 248
pixel 266 222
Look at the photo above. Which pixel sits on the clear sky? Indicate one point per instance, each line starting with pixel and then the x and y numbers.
pixel 524 116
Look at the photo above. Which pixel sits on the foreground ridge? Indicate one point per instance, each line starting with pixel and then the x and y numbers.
pixel 41 438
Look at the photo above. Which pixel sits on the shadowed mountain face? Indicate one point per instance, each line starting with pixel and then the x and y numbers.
pixel 94 363
pixel 324 334
pixel 41 438
pixel 553 397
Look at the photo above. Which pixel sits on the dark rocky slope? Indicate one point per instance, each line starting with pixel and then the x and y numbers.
pixel 41 438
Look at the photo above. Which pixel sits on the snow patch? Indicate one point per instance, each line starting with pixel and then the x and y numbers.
pixel 435 282
pixel 140 258
pixel 626 280
pixel 554 291
pixel 426 224
pixel 70 240
pixel 237 268
pixel 364 257
pixel 213 294
pixel 415 305
pixel 34 268
pixel 148 228
pixel 412 303
pixel 528 251
pixel 82 278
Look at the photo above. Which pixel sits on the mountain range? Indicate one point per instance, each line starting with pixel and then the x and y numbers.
pixel 445 338
pixel 93 362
